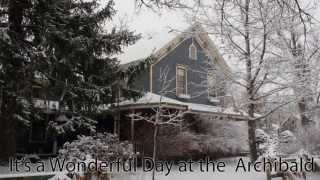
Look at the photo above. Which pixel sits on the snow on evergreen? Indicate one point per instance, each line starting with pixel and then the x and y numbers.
pixel 60 176
pixel 64 124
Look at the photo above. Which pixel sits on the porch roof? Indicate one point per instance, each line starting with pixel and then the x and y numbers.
pixel 151 100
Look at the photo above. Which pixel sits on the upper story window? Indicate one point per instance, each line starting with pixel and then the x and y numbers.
pixel 216 84
pixel 193 52
pixel 181 86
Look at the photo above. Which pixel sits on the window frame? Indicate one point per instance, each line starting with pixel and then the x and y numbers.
pixel 195 54
pixel 179 66
pixel 218 88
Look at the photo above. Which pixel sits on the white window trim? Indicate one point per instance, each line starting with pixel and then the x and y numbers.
pixel 184 96
pixel 190 52
pixel 186 85
pixel 212 99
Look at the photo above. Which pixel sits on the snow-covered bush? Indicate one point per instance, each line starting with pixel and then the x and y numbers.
pixel 262 141
pixel 272 142
pixel 309 138
pixel 188 144
pixel 104 147
pixel 222 137
pixel 183 145
pixel 222 147
pixel 261 136
pixel 223 128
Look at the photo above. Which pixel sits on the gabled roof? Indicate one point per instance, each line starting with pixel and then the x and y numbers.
pixel 132 63
pixel 201 37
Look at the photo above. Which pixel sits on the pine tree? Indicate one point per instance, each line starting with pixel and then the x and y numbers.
pixel 69 45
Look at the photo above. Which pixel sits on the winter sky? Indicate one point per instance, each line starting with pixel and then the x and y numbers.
pixel 155 27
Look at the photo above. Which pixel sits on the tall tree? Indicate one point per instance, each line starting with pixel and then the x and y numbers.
pixel 299 51
pixel 246 28
pixel 161 116
pixel 71 45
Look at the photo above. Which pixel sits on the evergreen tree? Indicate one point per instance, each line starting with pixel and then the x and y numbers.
pixel 70 46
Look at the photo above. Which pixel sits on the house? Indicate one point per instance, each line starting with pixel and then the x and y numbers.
pixel 197 76
pixel 187 74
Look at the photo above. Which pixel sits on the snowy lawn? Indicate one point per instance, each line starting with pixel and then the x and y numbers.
pixel 229 174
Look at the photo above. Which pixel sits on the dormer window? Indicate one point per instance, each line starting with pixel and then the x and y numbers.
pixel 193 52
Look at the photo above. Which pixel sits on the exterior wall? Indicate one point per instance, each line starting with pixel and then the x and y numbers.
pixel 196 72
pixel 142 82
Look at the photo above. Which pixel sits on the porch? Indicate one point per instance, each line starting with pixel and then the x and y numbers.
pixel 140 132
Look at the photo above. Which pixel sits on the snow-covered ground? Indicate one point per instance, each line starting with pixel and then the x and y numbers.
pixel 229 174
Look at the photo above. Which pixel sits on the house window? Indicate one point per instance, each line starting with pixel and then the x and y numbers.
pixel 193 52
pixel 216 84
pixel 181 80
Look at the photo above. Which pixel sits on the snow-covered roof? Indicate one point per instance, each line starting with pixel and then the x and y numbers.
pixel 151 100
pixel 201 36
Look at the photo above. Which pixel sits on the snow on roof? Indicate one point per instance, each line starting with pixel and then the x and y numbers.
pixel 151 98
pixel 125 66
pixel 200 35
pixel 204 108
pixel 154 99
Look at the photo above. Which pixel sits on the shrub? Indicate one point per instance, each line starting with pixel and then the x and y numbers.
pixel 104 147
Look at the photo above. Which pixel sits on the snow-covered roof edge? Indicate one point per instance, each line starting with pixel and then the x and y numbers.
pixel 202 38
pixel 150 100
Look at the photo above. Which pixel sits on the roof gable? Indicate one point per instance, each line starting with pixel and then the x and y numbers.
pixel 202 39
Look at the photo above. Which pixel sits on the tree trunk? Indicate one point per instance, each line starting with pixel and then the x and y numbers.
pixel 302 105
pixel 7 140
pixel 250 86
pixel 252 138
pixel 302 76
pixel 154 155
pixel 7 128
pixel 12 79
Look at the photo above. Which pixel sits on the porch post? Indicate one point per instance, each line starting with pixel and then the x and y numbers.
pixel 132 127
pixel 116 124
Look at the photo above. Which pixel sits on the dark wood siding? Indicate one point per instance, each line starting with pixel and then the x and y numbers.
pixel 196 72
